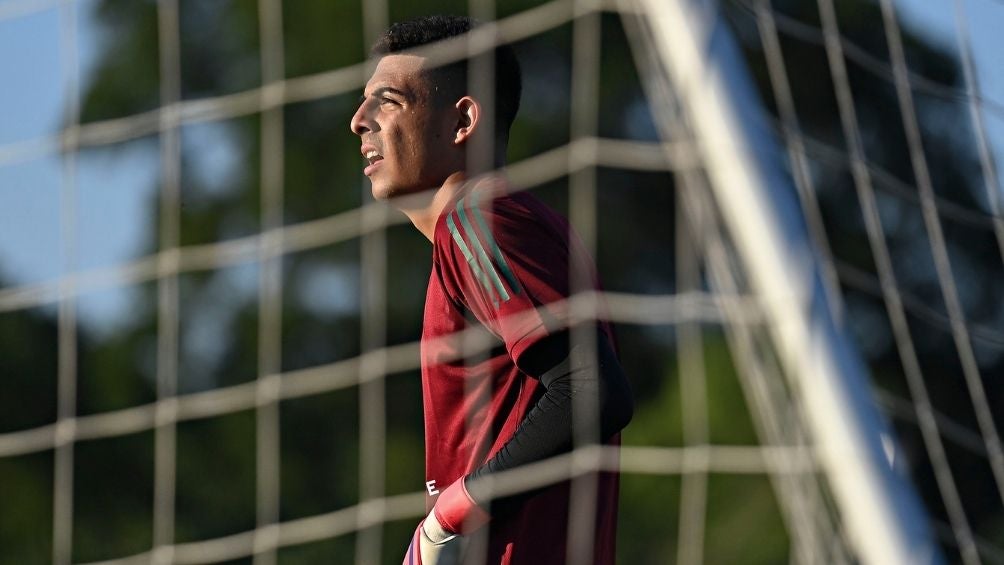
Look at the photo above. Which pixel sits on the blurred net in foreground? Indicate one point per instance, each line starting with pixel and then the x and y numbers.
pixel 259 399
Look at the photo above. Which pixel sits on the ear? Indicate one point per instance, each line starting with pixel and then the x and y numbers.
pixel 469 118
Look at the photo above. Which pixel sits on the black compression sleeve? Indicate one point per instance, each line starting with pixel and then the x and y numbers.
pixel 570 376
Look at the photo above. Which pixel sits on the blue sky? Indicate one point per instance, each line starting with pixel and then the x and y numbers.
pixel 114 192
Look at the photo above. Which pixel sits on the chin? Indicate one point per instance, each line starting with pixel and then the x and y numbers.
pixel 381 192
pixel 385 193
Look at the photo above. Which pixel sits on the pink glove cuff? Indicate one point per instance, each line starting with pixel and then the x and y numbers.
pixel 457 511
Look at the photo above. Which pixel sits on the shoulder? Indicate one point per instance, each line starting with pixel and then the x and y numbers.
pixel 489 216
pixel 489 241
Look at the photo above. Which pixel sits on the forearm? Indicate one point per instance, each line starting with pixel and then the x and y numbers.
pixel 587 388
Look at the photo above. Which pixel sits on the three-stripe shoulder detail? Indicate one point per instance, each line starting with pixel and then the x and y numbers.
pixel 481 251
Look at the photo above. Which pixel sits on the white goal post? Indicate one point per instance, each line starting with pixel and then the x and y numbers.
pixel 882 515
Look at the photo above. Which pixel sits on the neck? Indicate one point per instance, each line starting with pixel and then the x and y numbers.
pixel 424 209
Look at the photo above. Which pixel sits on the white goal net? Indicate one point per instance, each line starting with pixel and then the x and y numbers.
pixel 208 329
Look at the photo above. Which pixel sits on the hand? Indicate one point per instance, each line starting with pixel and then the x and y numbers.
pixel 434 545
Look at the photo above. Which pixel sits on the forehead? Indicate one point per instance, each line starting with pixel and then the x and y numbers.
pixel 402 72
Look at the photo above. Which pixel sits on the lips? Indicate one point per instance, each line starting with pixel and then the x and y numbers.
pixel 370 169
pixel 373 156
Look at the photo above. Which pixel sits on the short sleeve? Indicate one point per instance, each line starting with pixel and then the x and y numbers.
pixel 507 261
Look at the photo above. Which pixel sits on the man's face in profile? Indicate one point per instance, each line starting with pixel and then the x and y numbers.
pixel 408 137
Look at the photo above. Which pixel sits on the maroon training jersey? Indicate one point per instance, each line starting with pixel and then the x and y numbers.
pixel 499 264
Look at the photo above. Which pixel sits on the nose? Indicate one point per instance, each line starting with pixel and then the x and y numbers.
pixel 361 122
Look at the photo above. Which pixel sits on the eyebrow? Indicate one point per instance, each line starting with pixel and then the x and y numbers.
pixel 383 90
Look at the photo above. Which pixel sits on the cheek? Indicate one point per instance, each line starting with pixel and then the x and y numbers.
pixel 410 159
pixel 420 146
pixel 439 137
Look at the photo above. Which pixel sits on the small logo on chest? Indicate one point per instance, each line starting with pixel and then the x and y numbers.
pixel 431 487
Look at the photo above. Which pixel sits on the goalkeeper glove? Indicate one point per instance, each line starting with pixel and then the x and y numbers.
pixel 437 540
pixel 433 545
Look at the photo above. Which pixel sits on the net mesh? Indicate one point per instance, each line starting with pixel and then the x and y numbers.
pixel 302 438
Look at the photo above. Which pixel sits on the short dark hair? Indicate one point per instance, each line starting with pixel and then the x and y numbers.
pixel 453 77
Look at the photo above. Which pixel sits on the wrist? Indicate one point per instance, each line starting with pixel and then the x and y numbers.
pixel 456 511
pixel 434 531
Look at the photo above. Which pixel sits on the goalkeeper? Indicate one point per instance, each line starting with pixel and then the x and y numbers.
pixel 501 265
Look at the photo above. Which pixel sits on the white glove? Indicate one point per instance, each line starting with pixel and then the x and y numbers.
pixel 438 546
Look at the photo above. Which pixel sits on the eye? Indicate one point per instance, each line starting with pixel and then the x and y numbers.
pixel 384 100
